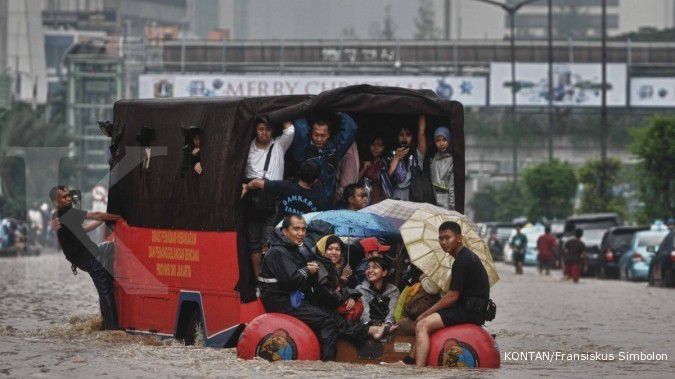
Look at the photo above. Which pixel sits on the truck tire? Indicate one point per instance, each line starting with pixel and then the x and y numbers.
pixel 465 345
pixel 275 337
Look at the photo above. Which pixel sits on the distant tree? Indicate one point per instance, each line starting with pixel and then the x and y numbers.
pixel 21 126
pixel 425 24
pixel 654 145
pixel 499 203
pixel 484 204
pixel 597 197
pixel 349 33
pixel 551 187
pixel 648 33
pixel 389 26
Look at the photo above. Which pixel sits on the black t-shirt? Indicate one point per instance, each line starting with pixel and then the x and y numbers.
pixel 469 277
pixel 293 199
pixel 76 244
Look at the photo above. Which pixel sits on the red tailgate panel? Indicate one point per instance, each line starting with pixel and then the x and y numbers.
pixel 153 266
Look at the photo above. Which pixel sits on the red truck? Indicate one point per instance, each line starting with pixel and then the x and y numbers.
pixel 181 266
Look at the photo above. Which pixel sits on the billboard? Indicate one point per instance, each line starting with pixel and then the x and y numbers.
pixel 652 92
pixel 469 90
pixel 574 84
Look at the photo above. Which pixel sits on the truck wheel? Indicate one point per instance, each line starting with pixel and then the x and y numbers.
pixel 195 331
pixel 276 337
pixel 464 345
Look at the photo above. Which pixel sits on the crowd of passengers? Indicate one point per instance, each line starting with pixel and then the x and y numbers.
pixel 331 173
pixel 313 279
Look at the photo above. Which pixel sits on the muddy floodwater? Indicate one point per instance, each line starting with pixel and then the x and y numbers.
pixel 48 322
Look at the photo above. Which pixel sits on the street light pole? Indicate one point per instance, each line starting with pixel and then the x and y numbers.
pixel 514 89
pixel 551 119
pixel 512 10
pixel 603 108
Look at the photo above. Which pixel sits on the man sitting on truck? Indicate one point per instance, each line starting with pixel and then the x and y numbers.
pixel 285 277
pixel 468 300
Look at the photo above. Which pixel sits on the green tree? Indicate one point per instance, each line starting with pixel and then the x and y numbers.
pixel 484 204
pixel 596 198
pixel 349 33
pixel 21 126
pixel 648 33
pixel 389 26
pixel 654 144
pixel 425 24
pixel 551 187
pixel 499 203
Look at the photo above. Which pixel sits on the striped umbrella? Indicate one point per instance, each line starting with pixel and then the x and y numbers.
pixel 420 236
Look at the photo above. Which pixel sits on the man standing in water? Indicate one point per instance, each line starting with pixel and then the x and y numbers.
pixel 468 300
pixel 82 252
pixel 518 246
pixel 574 251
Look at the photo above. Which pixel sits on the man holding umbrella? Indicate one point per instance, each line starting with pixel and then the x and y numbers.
pixel 468 299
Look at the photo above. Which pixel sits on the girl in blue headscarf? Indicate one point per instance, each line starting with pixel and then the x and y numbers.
pixel 442 170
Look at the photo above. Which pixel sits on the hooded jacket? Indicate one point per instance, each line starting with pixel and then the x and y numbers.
pixel 370 298
pixel 329 156
pixel 284 264
pixel 329 291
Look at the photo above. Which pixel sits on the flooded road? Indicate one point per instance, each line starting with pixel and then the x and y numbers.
pixel 48 321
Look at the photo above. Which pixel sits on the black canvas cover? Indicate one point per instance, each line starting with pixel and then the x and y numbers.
pixel 164 196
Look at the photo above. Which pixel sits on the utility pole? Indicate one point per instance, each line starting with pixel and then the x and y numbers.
pixel 603 108
pixel 446 19
pixel 512 10
pixel 551 119
pixel 514 89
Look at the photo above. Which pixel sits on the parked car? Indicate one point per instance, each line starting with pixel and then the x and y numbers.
pixel 634 265
pixel 594 226
pixel 496 237
pixel 615 242
pixel 662 266
pixel 532 232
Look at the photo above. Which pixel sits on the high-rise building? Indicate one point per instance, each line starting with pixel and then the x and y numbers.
pixel 455 19
pixel 119 16
pixel 22 54
pixel 576 19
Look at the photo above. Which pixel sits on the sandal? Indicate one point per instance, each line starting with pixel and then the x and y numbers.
pixel 387 332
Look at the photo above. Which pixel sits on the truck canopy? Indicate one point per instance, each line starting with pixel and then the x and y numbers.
pixel 163 197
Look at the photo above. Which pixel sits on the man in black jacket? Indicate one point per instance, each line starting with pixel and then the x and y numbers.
pixel 285 277
pixel 82 252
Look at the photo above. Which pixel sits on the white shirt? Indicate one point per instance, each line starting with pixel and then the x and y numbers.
pixel 256 157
